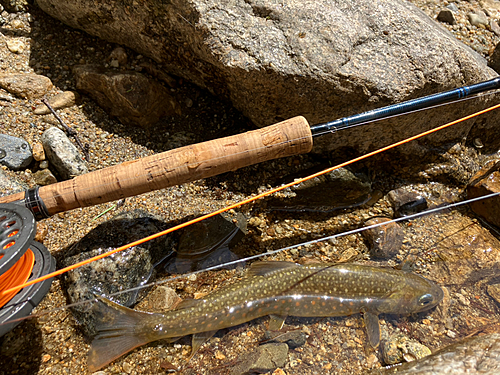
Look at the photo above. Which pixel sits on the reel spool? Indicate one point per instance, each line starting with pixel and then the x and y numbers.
pixel 19 255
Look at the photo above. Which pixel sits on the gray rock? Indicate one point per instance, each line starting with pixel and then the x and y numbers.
pixel 127 269
pixel 62 154
pixel 44 177
pixel 321 59
pixel 63 100
pixel 478 18
pixel 446 15
pixel 453 7
pixel 26 85
pixel 10 184
pixel 15 153
pixel 130 96
pixel 266 358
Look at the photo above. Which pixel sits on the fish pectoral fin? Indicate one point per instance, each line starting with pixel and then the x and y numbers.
pixel 276 322
pixel 198 340
pixel 266 268
pixel 372 328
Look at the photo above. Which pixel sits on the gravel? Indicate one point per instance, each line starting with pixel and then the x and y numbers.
pixel 32 42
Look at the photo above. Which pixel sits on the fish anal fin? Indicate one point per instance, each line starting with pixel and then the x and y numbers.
pixel 117 333
pixel 198 340
pixel 276 322
pixel 372 328
pixel 266 268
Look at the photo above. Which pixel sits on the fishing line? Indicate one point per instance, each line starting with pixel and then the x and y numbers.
pixel 268 253
pixel 245 201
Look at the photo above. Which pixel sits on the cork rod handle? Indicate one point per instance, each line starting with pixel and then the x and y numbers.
pixel 174 167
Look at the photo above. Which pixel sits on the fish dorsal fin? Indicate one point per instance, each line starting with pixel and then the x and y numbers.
pixel 188 303
pixel 266 268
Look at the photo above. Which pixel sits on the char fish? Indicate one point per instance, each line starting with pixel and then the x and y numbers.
pixel 278 289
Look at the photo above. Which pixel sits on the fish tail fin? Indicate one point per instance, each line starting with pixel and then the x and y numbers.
pixel 117 333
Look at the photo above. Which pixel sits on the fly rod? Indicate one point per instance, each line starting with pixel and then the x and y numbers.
pixel 202 160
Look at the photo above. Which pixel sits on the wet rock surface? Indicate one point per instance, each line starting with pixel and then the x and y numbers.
pixel 475 355
pixel 208 243
pixel 399 349
pixel 406 202
pixel 333 191
pixel 329 59
pixel 124 270
pixel 384 241
pixel 62 154
pixel 486 181
pixel 130 96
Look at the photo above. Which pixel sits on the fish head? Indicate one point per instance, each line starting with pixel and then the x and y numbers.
pixel 414 295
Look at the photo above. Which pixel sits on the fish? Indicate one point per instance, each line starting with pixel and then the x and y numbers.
pixel 274 288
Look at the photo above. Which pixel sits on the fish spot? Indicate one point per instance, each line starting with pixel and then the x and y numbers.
pixel 313 302
pixel 297 304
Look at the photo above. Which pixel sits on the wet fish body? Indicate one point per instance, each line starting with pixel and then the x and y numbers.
pixel 278 289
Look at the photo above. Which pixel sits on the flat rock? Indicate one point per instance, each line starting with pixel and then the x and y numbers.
pixel 62 154
pixel 320 59
pixel 26 85
pixel 265 358
pixel 62 100
pixel 130 96
pixel 15 153
pixel 486 181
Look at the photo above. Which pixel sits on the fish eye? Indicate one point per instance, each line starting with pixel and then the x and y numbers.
pixel 425 299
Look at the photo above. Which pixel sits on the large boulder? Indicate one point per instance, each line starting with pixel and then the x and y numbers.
pixel 322 59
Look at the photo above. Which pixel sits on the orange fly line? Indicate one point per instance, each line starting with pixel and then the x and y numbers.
pixel 241 203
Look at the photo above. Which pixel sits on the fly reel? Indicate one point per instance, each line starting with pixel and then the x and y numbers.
pixel 21 259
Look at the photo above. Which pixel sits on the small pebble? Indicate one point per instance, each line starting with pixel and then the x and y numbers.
pixel 16 46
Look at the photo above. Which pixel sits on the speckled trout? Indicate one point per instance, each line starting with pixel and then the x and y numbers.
pixel 277 289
